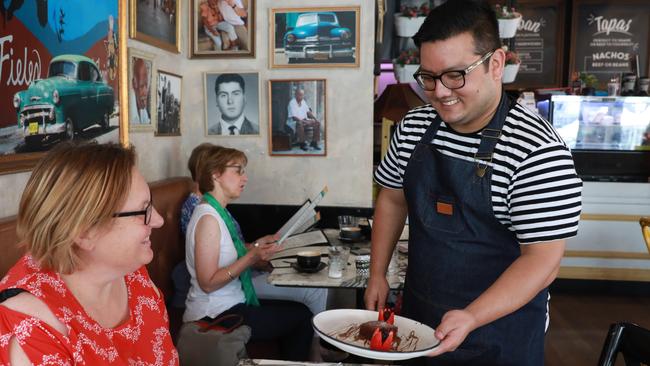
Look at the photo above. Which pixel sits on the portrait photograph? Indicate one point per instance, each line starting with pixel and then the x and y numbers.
pixel 168 92
pixel 297 121
pixel 222 28
pixel 157 23
pixel 314 37
pixel 141 91
pixel 232 103
pixel 49 49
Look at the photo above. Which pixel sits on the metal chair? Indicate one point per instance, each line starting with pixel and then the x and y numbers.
pixel 629 339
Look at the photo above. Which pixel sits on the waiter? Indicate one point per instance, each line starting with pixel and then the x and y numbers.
pixel 491 195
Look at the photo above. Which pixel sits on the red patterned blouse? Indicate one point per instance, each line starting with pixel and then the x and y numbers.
pixel 142 340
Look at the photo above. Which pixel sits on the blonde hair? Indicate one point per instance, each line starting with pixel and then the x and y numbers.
pixel 197 154
pixel 214 160
pixel 73 188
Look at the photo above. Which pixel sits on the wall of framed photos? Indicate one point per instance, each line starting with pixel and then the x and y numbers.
pixel 346 144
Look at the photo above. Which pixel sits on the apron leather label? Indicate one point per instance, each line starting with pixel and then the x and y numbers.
pixel 444 208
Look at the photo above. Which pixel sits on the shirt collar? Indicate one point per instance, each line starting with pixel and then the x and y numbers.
pixel 238 123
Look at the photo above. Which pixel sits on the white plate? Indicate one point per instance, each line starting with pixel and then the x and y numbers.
pixel 331 324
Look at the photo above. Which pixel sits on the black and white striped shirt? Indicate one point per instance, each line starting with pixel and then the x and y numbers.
pixel 535 188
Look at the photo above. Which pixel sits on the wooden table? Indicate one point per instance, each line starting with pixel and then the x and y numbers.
pixel 284 275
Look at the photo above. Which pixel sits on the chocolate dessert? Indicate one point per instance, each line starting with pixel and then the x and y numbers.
pixel 368 328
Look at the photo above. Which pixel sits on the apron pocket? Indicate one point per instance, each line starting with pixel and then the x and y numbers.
pixel 442 213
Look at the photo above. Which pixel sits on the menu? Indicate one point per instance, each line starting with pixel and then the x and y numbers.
pixel 610 39
pixel 538 44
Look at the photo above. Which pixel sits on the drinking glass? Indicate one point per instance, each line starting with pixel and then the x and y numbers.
pixel 338 260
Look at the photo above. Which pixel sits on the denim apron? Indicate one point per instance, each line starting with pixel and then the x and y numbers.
pixel 458 249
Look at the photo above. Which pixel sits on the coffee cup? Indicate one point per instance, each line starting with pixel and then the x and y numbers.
pixel 308 259
pixel 349 227
pixel 350 233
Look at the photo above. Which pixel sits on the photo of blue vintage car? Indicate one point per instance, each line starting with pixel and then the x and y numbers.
pixel 318 36
pixel 73 98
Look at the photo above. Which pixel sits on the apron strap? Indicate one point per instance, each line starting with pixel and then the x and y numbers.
pixel 491 133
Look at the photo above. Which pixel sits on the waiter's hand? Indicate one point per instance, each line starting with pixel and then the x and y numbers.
pixel 376 293
pixel 452 330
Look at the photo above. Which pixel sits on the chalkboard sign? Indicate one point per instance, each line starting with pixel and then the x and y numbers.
pixel 609 37
pixel 539 44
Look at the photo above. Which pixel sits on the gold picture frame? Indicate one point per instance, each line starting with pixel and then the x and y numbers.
pixel 236 40
pixel 144 120
pixel 169 106
pixel 285 133
pixel 110 50
pixel 341 49
pixel 143 29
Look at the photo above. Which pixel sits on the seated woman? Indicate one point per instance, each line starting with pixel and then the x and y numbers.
pixel 81 293
pixel 314 298
pixel 219 263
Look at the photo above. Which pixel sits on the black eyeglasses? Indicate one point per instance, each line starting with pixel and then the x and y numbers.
pixel 147 212
pixel 241 170
pixel 453 79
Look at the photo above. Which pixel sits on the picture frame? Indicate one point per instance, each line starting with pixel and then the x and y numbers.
pixel 222 28
pixel 539 43
pixel 142 95
pixel 289 29
pixel 169 88
pixel 232 102
pixel 623 43
pixel 291 100
pixel 39 39
pixel 156 22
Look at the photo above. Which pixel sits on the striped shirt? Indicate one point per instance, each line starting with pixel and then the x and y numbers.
pixel 535 188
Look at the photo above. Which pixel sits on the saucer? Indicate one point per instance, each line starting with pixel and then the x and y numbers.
pixel 320 266
pixel 349 240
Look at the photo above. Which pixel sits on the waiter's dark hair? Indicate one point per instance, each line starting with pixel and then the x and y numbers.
pixel 459 16
pixel 229 78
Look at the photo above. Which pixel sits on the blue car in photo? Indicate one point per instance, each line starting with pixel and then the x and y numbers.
pixel 73 98
pixel 318 36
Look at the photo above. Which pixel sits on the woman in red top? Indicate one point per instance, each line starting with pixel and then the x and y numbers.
pixel 81 295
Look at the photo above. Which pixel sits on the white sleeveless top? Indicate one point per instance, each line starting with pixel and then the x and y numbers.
pixel 200 304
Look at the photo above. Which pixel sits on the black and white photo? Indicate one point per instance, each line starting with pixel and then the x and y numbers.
pixel 231 104
pixel 169 104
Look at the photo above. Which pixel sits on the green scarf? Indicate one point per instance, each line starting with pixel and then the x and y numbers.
pixel 245 277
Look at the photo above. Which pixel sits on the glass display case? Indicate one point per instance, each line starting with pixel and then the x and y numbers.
pixel 602 123
pixel 609 136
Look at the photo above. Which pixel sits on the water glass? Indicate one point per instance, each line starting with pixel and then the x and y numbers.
pixel 338 260
pixel 349 227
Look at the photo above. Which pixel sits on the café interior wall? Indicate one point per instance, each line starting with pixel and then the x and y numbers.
pixel 347 168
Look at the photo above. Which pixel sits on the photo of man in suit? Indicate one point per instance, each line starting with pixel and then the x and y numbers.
pixel 230 92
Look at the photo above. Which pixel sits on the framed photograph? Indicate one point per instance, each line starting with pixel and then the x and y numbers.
pixel 298 120
pixel 610 39
pixel 314 37
pixel 222 28
pixel 54 55
pixel 141 91
pixel 232 104
pixel 540 43
pixel 156 22
pixel 169 104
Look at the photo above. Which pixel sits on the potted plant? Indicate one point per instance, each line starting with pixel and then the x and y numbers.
pixel 405 65
pixel 511 67
pixel 589 83
pixel 409 19
pixel 508 20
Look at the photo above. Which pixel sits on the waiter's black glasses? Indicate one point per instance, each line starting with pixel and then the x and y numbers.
pixel 452 79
